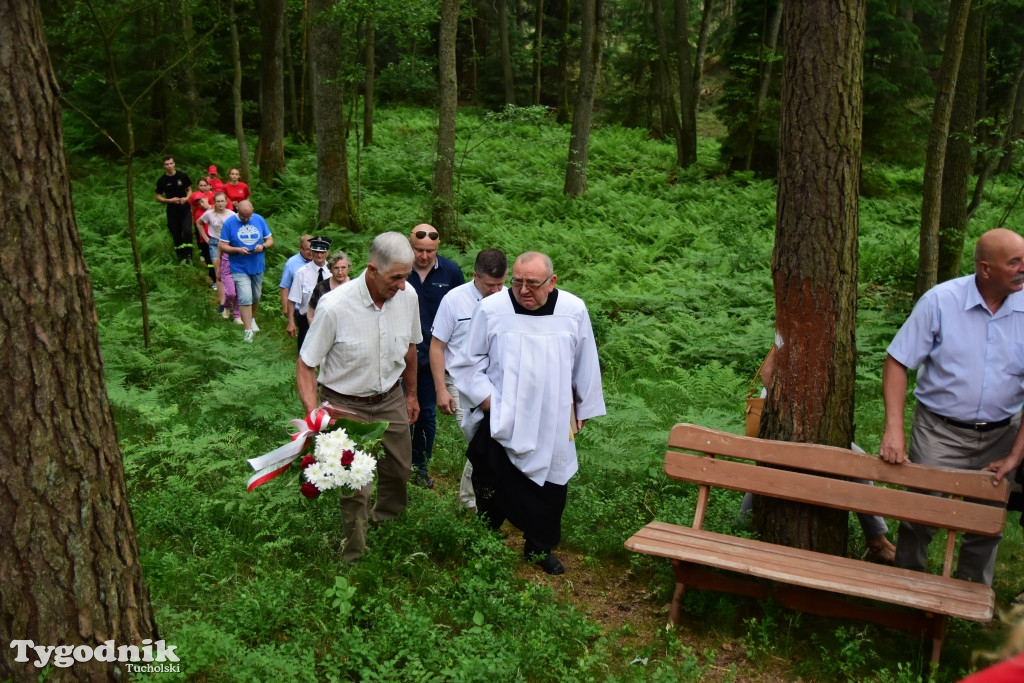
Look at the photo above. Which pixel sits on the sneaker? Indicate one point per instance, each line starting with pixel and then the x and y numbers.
pixel 213 287
pixel 247 337
pixel 224 313
pixel 255 327
pixel 551 565
pixel 238 321
pixel 423 479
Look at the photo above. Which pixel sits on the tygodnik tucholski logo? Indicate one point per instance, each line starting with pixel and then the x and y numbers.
pixel 63 656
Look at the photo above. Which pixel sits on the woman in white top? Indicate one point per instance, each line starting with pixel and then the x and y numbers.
pixel 210 222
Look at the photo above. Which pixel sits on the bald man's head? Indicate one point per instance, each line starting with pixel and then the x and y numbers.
pixel 999 265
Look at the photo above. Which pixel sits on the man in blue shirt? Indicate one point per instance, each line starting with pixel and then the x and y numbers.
pixel 244 238
pixel 966 336
pixel 432 276
pixel 291 266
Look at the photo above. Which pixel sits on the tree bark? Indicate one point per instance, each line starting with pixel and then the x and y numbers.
pixel 595 14
pixel 702 47
pixel 334 193
pixel 538 41
pixel 506 52
pixel 443 216
pixel 767 63
pixel 69 558
pixel 956 173
pixel 935 154
pixel 562 115
pixel 666 95
pixel 289 65
pixel 686 147
pixel 368 83
pixel 270 151
pixel 814 264
pixel 236 96
pixel 188 34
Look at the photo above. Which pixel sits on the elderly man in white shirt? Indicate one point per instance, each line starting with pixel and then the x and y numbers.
pixel 448 333
pixel 364 338
pixel 528 377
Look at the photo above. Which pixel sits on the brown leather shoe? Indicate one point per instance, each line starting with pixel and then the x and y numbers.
pixel 880 550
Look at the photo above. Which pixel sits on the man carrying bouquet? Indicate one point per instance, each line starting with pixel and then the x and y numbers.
pixel 364 338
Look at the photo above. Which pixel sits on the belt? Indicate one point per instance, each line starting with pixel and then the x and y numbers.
pixel 375 398
pixel 976 426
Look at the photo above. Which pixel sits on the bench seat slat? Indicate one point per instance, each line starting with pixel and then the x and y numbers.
pixel 810 569
pixel 837 493
pixel 837 461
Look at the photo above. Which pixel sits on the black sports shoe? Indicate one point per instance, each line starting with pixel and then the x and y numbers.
pixel 423 479
pixel 551 565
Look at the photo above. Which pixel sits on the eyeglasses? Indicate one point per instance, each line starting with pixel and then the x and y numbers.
pixel 420 234
pixel 516 283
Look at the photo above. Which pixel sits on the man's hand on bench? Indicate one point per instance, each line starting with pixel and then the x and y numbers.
pixel 893 446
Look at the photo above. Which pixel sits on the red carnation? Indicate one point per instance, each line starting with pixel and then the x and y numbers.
pixel 347 457
pixel 307 460
pixel 309 490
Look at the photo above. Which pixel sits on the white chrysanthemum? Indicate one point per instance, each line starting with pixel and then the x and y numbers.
pixel 318 476
pixel 331 445
pixel 361 471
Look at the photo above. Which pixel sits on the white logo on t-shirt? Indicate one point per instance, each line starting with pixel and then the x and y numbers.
pixel 248 235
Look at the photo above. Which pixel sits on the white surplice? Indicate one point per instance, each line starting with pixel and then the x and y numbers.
pixel 534 369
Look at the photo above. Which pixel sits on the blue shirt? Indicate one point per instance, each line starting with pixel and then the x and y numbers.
pixel 248 235
pixel 441 279
pixel 291 266
pixel 971 360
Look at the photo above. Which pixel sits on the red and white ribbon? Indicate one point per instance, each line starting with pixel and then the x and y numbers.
pixel 278 460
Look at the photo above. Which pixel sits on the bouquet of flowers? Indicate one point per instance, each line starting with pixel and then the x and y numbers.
pixel 336 462
pixel 343 452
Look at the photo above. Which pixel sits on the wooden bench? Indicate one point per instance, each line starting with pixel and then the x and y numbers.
pixel 816 582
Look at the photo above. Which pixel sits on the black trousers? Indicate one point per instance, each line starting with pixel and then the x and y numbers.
pixel 503 492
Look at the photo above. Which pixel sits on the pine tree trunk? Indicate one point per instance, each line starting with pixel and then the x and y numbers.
pixel 666 95
pixel 956 173
pixel 368 83
pixel 69 558
pixel 935 154
pixel 592 40
pixel 443 216
pixel 562 115
pixel 814 265
pixel 538 41
pixel 270 152
pixel 506 52
pixel 293 99
pixel 334 194
pixel 236 96
pixel 702 47
pixel 687 146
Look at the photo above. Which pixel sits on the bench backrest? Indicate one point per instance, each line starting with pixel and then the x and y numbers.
pixel 810 474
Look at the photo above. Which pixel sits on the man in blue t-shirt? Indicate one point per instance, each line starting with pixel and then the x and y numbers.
pixel 432 276
pixel 244 238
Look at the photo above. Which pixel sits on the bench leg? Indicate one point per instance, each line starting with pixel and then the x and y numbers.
pixel 675 609
pixel 938 634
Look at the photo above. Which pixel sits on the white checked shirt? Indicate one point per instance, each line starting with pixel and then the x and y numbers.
pixel 361 348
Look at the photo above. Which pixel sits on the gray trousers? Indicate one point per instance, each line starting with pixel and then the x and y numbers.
pixel 934 443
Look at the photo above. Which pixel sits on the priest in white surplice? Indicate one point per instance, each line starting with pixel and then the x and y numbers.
pixel 528 377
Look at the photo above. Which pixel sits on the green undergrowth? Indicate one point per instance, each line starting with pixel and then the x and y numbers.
pixel 675 269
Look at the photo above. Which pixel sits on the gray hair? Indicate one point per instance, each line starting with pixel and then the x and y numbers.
pixel 389 248
pixel 338 256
